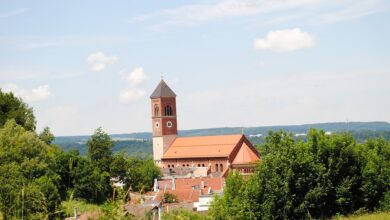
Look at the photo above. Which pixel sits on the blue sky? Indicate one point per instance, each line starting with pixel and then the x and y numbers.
pixel 85 64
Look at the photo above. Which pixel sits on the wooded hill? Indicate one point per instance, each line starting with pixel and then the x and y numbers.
pixel 139 144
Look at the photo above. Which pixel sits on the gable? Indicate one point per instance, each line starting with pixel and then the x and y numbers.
pixel 245 155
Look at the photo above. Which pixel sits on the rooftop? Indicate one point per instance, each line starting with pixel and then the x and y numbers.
pixel 162 90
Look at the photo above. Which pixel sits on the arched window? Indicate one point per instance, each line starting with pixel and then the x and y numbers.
pixel 216 167
pixel 169 166
pixel 168 110
pixel 221 167
pixel 203 165
pixel 156 110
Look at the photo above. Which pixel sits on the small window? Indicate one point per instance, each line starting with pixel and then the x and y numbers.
pixel 156 110
pixel 198 165
pixel 173 166
pixel 188 165
pixel 168 110
pixel 169 166
pixel 169 124
pixel 216 167
pixel 203 165
pixel 184 165
pixel 221 167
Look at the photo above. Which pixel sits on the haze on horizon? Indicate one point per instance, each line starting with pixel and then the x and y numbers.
pixel 82 65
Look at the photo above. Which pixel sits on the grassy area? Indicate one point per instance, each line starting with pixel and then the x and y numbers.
pixel 81 206
pixel 372 216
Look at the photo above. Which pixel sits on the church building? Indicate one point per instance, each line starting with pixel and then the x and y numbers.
pixel 212 155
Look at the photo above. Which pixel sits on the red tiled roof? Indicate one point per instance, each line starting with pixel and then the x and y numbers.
pixel 202 146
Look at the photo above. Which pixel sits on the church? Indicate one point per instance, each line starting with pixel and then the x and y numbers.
pixel 201 155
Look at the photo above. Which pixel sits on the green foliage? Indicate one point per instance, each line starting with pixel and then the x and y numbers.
pixel 231 205
pixel 90 183
pixel 184 215
pixel 169 198
pixel 14 108
pixel 319 178
pixel 27 184
pixel 46 135
pixel 140 174
pixel 100 149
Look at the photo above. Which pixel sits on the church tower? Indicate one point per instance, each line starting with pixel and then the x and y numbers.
pixel 164 123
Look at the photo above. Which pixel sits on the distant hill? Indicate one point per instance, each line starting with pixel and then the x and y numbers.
pixel 139 144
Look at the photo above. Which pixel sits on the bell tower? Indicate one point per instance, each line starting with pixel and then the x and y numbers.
pixel 164 122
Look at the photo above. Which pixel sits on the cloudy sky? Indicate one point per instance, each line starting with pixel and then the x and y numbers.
pixel 85 64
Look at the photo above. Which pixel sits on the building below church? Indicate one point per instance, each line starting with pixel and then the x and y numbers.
pixel 211 156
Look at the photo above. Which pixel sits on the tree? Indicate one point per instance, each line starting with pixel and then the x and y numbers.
pixel 90 183
pixel 46 135
pixel 27 185
pixel 14 108
pixel 140 174
pixel 316 178
pixel 100 149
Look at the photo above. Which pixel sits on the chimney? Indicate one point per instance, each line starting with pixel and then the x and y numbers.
pixel 173 183
pixel 155 185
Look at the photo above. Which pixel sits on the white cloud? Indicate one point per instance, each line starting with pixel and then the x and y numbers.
pixel 131 94
pixel 99 61
pixel 266 11
pixel 30 95
pixel 136 76
pixel 285 40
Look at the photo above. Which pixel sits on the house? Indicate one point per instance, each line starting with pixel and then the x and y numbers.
pixel 194 156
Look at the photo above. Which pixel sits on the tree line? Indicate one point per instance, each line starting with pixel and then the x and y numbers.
pixel 321 177
pixel 36 176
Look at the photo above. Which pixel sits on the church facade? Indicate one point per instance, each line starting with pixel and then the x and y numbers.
pixel 214 155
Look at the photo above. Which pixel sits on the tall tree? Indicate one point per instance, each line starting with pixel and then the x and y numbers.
pixel 100 149
pixel 46 135
pixel 12 107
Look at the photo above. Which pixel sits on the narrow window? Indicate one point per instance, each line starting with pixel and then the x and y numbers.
pixel 221 167
pixel 169 166
pixel 168 110
pixel 156 110
pixel 216 167
pixel 203 165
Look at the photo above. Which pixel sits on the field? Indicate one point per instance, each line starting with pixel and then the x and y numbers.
pixel 371 216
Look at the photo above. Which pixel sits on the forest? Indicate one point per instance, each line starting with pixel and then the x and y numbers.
pixel 37 177
pixel 320 177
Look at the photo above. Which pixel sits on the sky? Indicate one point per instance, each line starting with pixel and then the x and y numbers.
pixel 85 64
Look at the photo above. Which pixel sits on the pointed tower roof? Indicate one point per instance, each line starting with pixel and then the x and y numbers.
pixel 162 90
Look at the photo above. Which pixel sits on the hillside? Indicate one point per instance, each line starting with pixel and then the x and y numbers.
pixel 139 144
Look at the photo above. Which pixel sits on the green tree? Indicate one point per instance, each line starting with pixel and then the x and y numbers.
pixel 14 108
pixel 316 178
pixel 25 187
pixel 46 135
pixel 234 204
pixel 140 174
pixel 90 183
pixel 100 149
